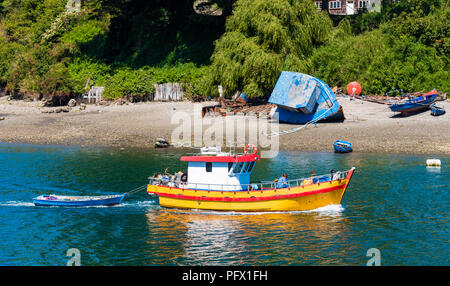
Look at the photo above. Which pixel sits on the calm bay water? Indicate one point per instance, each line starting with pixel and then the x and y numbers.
pixel 394 203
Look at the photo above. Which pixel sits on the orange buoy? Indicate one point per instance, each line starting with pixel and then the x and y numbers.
pixel 354 88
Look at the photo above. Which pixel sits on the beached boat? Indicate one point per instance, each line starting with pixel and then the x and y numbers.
pixel 437 109
pixel 221 181
pixel 341 146
pixel 416 104
pixel 301 98
pixel 78 201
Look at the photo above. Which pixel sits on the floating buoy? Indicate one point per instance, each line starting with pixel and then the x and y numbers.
pixel 354 88
pixel 433 163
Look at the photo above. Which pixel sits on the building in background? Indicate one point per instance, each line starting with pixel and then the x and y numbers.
pixel 349 7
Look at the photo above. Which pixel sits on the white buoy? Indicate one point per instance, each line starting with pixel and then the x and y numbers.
pixel 434 163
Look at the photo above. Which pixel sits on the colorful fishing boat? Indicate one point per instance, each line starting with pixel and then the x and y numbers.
pixel 415 104
pixel 341 146
pixel 78 201
pixel 437 109
pixel 221 181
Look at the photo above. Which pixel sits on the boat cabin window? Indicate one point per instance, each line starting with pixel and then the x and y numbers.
pixel 230 164
pixel 238 167
pixel 250 167
pixel 208 167
pixel 242 167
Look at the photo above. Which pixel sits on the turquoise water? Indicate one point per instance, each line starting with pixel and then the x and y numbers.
pixel 394 203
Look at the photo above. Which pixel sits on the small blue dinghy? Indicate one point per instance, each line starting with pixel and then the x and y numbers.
pixel 437 109
pixel 341 146
pixel 78 201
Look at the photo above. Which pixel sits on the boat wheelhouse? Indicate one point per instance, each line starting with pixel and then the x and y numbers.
pixel 221 181
pixel 213 170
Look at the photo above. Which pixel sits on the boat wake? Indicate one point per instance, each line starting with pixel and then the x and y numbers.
pixel 137 204
pixel 330 210
pixel 16 204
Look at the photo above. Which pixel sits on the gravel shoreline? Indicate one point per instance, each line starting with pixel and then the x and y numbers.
pixel 371 127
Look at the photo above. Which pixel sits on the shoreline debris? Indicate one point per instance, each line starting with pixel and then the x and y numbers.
pixel 161 143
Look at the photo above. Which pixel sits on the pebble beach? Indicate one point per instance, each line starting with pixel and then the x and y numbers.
pixel 371 127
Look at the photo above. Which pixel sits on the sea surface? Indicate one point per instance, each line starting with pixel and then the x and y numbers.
pixel 394 204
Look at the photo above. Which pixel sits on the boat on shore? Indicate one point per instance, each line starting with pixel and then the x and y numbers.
pixel 221 181
pixel 415 104
pixel 78 201
pixel 302 99
pixel 341 146
pixel 437 109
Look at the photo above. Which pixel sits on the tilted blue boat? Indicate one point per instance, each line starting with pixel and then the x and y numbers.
pixel 416 104
pixel 437 109
pixel 341 146
pixel 78 201
pixel 301 98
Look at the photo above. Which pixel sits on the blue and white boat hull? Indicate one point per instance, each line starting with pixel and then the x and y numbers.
pixel 301 98
pixel 78 201
pixel 437 109
pixel 416 104
pixel 342 146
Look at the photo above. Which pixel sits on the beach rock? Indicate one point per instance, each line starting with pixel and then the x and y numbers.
pixel 2 118
pixel 119 101
pixel 62 109
pixel 46 102
pixel 161 143
pixel 72 103
pixel 207 8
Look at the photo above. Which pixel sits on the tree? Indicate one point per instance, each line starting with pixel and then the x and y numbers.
pixel 325 5
pixel 262 38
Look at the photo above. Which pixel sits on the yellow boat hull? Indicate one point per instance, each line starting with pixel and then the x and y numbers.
pixel 298 198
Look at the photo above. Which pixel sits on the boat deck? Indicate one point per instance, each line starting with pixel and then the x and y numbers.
pixel 171 181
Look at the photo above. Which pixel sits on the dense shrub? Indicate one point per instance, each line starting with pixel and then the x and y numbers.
pixel 83 69
pixel 262 38
pixel 381 60
pixel 126 82
pixel 129 45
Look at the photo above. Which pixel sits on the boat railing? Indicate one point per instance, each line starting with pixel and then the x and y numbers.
pixel 259 186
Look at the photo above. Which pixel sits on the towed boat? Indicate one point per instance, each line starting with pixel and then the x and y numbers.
pixel 221 181
pixel 437 109
pixel 416 104
pixel 78 201
pixel 341 146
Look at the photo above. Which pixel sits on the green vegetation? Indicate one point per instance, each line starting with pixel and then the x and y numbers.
pixel 409 52
pixel 263 38
pixel 124 45
pixel 128 45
